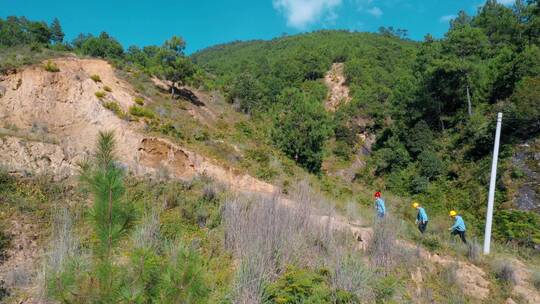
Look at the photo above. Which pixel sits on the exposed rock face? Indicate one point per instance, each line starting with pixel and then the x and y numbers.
pixel 527 161
pixel 22 157
pixel 54 120
pixel 63 107
pixel 338 92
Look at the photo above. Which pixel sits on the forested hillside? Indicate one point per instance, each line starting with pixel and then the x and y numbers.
pixel 143 175
pixel 429 145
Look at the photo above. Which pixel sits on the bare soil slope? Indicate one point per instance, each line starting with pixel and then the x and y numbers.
pixel 51 122
pixel 338 92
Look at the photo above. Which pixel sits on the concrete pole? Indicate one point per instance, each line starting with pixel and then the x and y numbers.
pixel 491 195
pixel 469 105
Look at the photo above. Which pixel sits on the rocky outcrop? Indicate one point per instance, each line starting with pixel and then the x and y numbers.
pixel 527 162
pixel 338 92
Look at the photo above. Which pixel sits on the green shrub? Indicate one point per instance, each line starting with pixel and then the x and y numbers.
pixel 169 129
pixel 115 107
pixel 107 89
pixel 95 78
pixel 298 285
pixel 431 242
pixel 301 129
pixel 517 173
pixel 517 226
pixel 100 94
pixel 201 135
pixel 385 288
pixel 139 100
pixel 183 278
pixel 343 150
pixel 536 279
pixel 141 112
pixel 5 240
pixel 51 67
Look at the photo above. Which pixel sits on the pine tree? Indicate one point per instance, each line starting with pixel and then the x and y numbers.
pixel 110 215
pixel 57 35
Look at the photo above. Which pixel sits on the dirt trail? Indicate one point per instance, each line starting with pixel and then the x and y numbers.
pixel 63 108
pixel 338 92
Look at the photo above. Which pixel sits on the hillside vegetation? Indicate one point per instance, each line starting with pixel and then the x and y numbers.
pixel 218 184
pixel 429 147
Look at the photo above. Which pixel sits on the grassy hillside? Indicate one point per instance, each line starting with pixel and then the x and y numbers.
pixel 415 97
pixel 115 237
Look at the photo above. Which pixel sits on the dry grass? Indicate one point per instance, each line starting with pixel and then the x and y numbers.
pixel 504 271
pixel 382 248
pixel 350 274
pixel 147 235
pixel 474 251
pixel 63 246
pixel 267 234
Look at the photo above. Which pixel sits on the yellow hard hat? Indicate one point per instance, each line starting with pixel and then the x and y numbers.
pixel 453 213
pixel 415 204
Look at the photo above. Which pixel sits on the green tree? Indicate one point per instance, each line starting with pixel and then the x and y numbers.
pixel 175 67
pixel 39 32
pixel 466 41
pixel 57 35
pixel 522 110
pixel 111 214
pixel 182 280
pixel 249 91
pixel 175 44
pixel 462 19
pixel 301 129
pixel 498 22
pixel 103 46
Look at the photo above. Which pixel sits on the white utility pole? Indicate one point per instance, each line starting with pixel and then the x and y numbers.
pixel 491 195
pixel 469 106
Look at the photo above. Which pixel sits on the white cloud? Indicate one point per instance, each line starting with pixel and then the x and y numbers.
pixel 366 6
pixel 301 13
pixel 375 11
pixel 447 18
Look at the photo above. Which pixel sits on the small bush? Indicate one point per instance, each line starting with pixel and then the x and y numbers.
pixel 209 193
pixel 169 129
pixel 305 286
pixel 5 240
pixel 115 107
pixel 107 88
pixel 95 78
pixel 385 288
pixel 431 242
pixel 139 100
pixel 350 274
pixel 536 279
pixel 505 272
pixel 51 67
pixel 100 94
pixel 201 135
pixel 141 112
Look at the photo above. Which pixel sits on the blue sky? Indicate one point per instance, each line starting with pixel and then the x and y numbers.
pixel 204 23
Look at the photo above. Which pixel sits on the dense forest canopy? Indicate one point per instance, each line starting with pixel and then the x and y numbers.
pixel 431 104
